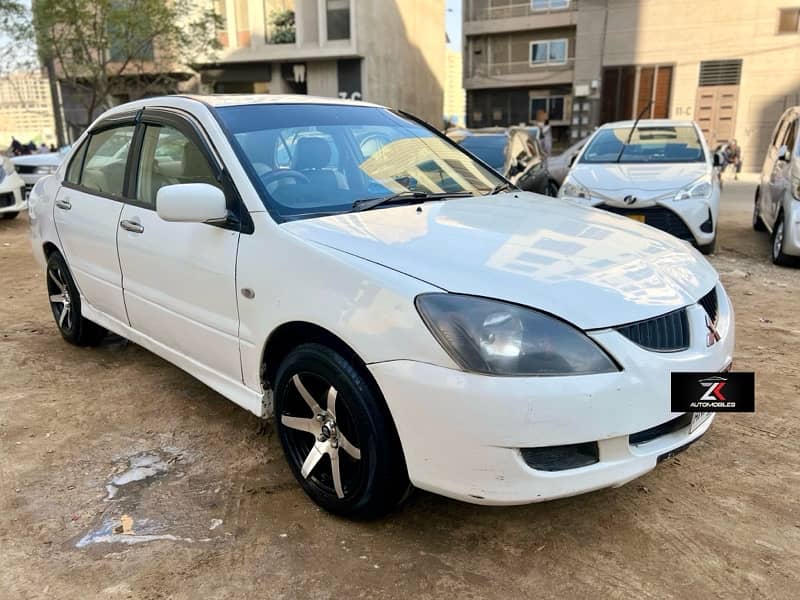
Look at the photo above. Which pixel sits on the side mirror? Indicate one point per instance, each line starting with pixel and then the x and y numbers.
pixel 191 203
pixel 783 153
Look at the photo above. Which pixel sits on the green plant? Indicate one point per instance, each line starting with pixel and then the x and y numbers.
pixel 282 27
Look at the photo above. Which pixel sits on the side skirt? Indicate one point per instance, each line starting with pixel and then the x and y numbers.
pixel 233 390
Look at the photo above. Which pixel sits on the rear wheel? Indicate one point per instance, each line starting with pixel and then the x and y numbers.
pixel 778 236
pixel 65 302
pixel 337 434
pixel 10 215
pixel 758 224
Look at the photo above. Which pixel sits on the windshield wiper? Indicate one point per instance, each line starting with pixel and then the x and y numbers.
pixel 405 198
pixel 503 186
pixel 630 134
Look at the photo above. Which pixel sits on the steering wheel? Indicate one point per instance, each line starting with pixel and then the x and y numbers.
pixel 279 174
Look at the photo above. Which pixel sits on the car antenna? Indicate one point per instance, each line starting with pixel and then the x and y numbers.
pixel 635 125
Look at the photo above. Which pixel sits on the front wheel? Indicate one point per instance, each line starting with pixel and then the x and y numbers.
pixel 758 224
pixel 778 237
pixel 65 302
pixel 709 248
pixel 337 434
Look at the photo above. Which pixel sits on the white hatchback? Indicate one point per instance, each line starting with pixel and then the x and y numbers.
pixel 408 317
pixel 660 173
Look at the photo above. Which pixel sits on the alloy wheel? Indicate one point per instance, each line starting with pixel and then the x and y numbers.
pixel 777 242
pixel 60 298
pixel 324 443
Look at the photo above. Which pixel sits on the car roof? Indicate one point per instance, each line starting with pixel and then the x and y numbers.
pixel 187 101
pixel 648 123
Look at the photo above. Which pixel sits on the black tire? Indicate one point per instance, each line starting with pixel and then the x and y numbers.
pixel 10 215
pixel 708 248
pixel 776 248
pixel 72 326
pixel 758 224
pixel 552 189
pixel 372 483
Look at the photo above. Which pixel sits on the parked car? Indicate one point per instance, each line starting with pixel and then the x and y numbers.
pixel 32 167
pixel 407 318
pixel 513 153
pixel 777 201
pixel 559 165
pixel 12 197
pixel 661 173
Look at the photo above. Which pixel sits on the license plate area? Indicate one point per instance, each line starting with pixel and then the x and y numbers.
pixel 698 419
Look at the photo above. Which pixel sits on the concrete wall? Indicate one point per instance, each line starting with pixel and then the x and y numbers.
pixel 685 32
pixel 403 45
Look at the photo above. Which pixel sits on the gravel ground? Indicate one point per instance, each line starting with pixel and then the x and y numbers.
pixel 215 512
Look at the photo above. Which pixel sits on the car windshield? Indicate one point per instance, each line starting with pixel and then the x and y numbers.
pixel 489 148
pixel 312 159
pixel 660 144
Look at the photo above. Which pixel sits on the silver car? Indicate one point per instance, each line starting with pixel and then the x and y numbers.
pixel 777 202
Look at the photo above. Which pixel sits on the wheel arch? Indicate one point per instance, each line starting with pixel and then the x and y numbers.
pixel 49 248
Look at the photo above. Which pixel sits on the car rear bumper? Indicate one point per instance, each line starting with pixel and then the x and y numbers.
pixel 12 196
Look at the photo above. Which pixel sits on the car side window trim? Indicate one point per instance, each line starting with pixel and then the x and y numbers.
pixel 158 116
pixel 126 120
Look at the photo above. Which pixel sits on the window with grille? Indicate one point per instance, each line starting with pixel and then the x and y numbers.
pixel 720 72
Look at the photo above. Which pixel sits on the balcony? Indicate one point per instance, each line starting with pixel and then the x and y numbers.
pixel 493 17
pixel 519 73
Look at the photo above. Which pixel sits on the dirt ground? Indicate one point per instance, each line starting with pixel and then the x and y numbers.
pixel 219 515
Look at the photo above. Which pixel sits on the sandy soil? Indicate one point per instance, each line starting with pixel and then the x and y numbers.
pixel 228 521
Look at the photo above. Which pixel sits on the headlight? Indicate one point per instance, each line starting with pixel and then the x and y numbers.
pixel 45 169
pixel 698 189
pixel 572 189
pixel 498 338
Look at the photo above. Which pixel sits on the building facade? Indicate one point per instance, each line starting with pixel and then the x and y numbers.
pixel 26 108
pixel 732 66
pixel 455 99
pixel 390 52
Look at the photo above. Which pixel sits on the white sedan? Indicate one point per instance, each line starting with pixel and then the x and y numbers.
pixel 659 172
pixel 408 318
pixel 12 195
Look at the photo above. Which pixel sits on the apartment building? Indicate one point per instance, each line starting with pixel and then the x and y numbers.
pixel 732 66
pixel 455 99
pixel 389 52
pixel 26 110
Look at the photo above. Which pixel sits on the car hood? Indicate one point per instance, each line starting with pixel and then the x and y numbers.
pixel 588 266
pixel 630 178
pixel 37 160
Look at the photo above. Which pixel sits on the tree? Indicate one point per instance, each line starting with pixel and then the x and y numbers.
pixel 17 48
pixel 105 51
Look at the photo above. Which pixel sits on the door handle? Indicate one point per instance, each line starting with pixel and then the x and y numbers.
pixel 63 204
pixel 131 226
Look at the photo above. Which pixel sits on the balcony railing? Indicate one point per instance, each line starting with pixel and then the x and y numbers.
pixel 499 69
pixel 522 9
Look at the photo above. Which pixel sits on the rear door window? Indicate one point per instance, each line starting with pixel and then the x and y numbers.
pixel 106 157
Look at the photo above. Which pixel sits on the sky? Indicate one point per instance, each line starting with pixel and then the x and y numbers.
pixel 453 23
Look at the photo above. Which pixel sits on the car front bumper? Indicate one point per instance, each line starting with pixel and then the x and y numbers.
pixel 463 434
pixel 12 196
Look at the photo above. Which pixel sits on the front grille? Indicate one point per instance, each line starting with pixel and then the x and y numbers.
pixel 667 333
pixel 711 304
pixel 648 435
pixel 658 217
pixel 25 168
pixel 561 458
pixel 6 199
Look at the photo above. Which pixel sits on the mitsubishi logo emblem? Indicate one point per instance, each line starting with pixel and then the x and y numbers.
pixel 629 200
pixel 713 335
